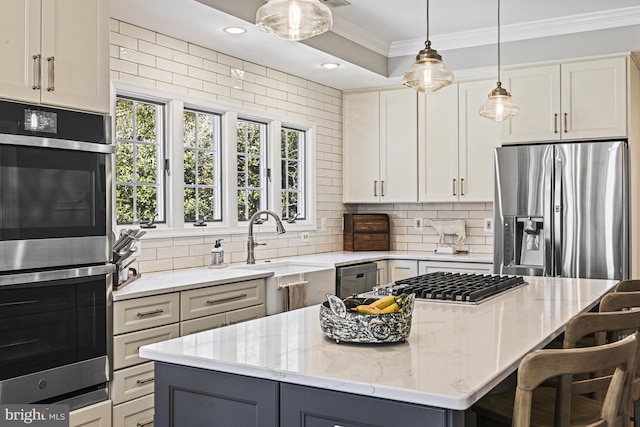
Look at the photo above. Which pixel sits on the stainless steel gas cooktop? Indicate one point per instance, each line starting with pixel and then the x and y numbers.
pixel 456 287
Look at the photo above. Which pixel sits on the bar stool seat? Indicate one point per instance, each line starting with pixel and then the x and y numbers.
pixel 568 401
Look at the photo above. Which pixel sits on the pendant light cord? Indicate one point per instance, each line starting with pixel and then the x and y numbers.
pixel 498 40
pixel 427 20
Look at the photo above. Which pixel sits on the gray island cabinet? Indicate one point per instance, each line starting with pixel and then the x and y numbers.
pixel 282 371
pixel 188 396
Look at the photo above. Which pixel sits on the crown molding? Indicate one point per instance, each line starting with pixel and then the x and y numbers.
pixel 487 36
pixel 359 35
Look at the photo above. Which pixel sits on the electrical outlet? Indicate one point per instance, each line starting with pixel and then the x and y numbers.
pixel 304 236
pixel 323 224
pixel 488 225
pixel 418 224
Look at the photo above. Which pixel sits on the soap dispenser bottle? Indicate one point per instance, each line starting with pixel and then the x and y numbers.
pixel 217 255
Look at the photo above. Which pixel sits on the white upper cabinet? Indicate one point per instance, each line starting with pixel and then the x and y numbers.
pixel 574 100
pixel 380 146
pixel 456 144
pixel 56 52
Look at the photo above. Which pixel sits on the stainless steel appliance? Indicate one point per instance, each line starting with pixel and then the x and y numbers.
pixel 562 210
pixel 55 255
pixel 53 336
pixel 454 287
pixel 55 172
pixel 356 279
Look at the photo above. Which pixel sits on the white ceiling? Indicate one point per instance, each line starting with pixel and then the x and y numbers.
pixel 376 40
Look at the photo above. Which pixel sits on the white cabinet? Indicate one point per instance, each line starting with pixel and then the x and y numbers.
pixel 56 52
pixel 382 271
pixel 425 267
pixel 97 415
pixel 456 144
pixel 402 269
pixel 568 101
pixel 380 146
pixel 150 319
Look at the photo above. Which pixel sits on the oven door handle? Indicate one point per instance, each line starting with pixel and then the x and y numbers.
pixel 49 275
pixel 44 142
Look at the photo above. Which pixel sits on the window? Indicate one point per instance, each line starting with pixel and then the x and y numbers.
pixel 292 190
pixel 190 163
pixel 139 161
pixel 202 177
pixel 251 161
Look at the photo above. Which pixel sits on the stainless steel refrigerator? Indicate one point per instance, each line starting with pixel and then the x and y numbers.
pixel 562 210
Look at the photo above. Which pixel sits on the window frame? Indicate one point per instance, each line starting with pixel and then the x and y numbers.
pixel 218 183
pixel 230 112
pixel 162 142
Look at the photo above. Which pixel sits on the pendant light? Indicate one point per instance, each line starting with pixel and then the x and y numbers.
pixel 294 19
pixel 499 106
pixel 428 73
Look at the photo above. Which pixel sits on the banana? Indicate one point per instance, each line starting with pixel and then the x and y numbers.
pixel 392 308
pixel 383 302
pixel 366 309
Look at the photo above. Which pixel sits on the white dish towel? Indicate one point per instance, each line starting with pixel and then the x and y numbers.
pixel 295 294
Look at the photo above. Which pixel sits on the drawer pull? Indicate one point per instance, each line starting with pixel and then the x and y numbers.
pixel 218 301
pixel 146 423
pixel 145 381
pixel 150 313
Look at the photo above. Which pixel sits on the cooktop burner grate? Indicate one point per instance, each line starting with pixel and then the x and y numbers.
pixel 456 287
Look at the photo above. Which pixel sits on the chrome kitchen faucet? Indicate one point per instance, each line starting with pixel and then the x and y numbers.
pixel 251 244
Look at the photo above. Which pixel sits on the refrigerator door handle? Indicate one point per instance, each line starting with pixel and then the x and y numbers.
pixel 557 216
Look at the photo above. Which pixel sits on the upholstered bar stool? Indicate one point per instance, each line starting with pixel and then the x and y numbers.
pixel 568 402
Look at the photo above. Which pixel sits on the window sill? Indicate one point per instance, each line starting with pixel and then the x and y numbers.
pixel 162 231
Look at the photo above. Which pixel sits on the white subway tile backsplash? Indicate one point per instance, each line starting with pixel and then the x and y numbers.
pixel 172 43
pixel 154 59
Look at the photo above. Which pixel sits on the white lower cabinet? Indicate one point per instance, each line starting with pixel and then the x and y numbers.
pixel 147 320
pixel 97 415
pixel 426 267
pixel 131 383
pixel 383 275
pixel 134 413
pixel 402 269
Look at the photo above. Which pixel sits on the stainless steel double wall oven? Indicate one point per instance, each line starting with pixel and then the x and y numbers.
pixel 55 249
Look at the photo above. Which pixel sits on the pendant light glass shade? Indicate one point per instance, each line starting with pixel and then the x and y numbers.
pixel 294 19
pixel 428 73
pixel 499 106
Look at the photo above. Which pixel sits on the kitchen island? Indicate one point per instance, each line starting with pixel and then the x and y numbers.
pixel 281 369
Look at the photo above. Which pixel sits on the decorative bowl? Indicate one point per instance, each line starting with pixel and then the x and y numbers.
pixel 343 325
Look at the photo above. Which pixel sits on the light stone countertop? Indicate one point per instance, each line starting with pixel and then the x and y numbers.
pixel 455 354
pixel 179 280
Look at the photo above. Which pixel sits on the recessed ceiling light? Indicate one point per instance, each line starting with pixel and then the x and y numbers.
pixel 330 65
pixel 235 30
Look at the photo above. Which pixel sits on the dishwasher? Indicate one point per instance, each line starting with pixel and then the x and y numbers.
pixel 356 279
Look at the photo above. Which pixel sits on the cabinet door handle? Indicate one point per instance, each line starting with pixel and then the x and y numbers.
pixel 146 423
pixel 37 72
pixel 218 301
pixel 381 188
pixel 462 186
pixel 565 122
pixel 555 123
pixel 150 313
pixel 145 381
pixel 51 60
pixel 375 188
pixel 454 186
